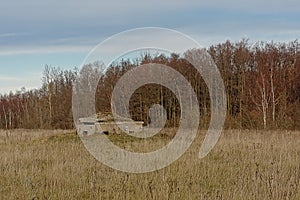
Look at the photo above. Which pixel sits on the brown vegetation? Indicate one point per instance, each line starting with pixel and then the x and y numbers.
pixel 244 165
pixel 262 85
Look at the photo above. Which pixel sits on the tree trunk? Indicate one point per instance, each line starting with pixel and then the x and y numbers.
pixel 264 101
pixel 273 95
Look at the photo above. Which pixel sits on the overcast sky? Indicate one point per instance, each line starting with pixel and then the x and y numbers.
pixel 61 32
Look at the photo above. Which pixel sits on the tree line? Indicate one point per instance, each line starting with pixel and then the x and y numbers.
pixel 262 84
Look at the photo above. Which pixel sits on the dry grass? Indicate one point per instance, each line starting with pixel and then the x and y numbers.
pixel 244 165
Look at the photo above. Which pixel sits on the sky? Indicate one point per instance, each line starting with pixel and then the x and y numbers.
pixel 60 33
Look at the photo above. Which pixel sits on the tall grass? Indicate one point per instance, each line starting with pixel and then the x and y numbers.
pixel 244 165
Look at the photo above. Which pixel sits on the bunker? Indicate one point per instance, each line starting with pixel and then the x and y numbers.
pixel 90 126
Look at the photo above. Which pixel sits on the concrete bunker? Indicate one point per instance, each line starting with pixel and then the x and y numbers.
pixel 106 125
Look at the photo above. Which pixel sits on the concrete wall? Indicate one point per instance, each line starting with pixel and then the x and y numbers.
pixel 109 127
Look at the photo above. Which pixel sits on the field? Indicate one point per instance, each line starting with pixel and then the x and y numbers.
pixel 246 164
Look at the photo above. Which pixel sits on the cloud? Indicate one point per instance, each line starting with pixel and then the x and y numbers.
pixel 3 35
pixel 56 28
pixel 113 7
pixel 52 25
pixel 50 49
pixel 8 84
pixel 112 13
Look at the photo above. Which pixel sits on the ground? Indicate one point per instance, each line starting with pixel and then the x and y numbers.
pixel 247 164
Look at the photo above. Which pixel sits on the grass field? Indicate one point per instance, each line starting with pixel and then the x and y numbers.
pixel 244 165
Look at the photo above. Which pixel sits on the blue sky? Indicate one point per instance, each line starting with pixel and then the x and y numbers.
pixel 34 33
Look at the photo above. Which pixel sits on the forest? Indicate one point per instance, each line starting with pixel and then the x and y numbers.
pixel 262 82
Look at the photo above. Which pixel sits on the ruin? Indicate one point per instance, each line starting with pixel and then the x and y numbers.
pixel 105 124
